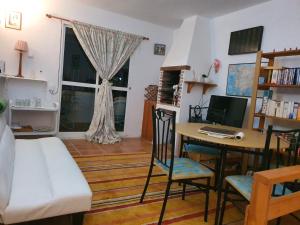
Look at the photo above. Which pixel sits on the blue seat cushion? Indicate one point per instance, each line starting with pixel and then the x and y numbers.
pixel 201 149
pixel 185 168
pixel 243 184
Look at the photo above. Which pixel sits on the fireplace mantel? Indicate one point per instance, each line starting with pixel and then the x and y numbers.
pixel 174 68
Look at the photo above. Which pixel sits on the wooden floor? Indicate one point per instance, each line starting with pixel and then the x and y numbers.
pixel 129 145
pixel 85 148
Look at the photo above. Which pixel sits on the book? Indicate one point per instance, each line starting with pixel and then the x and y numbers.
pixel 298 113
pixel 295 110
pixel 279 108
pixel 266 96
pixel 286 110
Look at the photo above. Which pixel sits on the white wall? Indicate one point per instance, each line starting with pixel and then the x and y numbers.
pixel 43 37
pixel 281 21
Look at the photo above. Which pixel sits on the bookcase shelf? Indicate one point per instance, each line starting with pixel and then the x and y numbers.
pixel 266 71
pixel 267 86
pixel 275 117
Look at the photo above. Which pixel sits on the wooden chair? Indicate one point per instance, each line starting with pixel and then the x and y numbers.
pixel 181 170
pixel 242 184
pixel 263 207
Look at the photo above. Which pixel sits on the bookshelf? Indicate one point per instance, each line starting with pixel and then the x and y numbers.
pixel 266 73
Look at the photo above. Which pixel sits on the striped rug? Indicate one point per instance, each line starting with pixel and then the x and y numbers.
pixel 117 181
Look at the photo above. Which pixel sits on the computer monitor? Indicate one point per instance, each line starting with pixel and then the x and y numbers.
pixel 226 110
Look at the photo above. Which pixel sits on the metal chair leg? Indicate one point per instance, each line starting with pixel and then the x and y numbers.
pixel 207 200
pixel 217 166
pixel 147 182
pixel 183 191
pixel 224 203
pixel 165 202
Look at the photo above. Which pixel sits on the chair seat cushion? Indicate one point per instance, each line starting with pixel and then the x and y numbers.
pixel 201 149
pixel 243 184
pixel 185 169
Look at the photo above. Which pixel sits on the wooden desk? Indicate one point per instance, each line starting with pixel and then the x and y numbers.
pixel 253 139
pixel 253 143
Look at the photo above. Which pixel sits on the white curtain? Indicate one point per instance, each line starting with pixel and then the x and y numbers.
pixel 108 51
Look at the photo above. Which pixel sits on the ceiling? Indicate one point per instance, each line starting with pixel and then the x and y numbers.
pixel 170 13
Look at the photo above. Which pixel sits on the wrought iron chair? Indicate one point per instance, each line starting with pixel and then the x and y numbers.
pixel 193 146
pixel 242 184
pixel 180 170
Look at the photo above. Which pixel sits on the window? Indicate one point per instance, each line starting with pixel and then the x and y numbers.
pixel 78 89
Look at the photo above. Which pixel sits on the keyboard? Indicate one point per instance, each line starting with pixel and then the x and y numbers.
pixel 217 131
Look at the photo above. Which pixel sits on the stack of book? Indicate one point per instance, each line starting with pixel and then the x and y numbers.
pixel 281 109
pixel 285 76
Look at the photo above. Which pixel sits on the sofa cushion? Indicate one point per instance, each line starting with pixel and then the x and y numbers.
pixel 7 157
pixel 47 182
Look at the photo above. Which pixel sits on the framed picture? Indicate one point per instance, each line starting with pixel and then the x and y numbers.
pixel 14 20
pixel 240 79
pixel 159 49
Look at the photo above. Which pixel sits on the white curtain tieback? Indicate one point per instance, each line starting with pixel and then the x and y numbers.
pixel 105 82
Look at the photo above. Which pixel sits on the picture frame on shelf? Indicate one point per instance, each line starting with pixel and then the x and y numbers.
pixel 13 20
pixel 159 49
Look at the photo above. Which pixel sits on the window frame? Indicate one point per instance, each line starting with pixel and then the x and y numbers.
pixel 80 134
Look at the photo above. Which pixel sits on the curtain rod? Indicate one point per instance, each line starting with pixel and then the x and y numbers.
pixel 67 20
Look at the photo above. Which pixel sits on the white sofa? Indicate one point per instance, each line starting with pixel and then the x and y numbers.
pixel 39 179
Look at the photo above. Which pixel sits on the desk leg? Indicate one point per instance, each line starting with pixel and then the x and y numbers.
pixel 220 184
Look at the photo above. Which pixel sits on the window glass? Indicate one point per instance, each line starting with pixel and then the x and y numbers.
pixel 119 98
pixel 77 66
pixel 77 108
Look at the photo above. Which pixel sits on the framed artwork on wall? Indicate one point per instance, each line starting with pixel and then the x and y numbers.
pixel 159 49
pixel 240 79
pixel 13 20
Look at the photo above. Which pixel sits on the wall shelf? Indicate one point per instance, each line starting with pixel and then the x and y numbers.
pixel 206 86
pixel 34 133
pixel 20 78
pixel 44 109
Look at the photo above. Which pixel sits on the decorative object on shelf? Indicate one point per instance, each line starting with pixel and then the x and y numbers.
pixel 240 79
pixel 14 20
pixel 159 49
pixel 22 47
pixel 176 94
pixel 151 92
pixel 2 67
pixel 216 65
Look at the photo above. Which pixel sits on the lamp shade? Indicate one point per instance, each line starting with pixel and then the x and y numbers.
pixel 21 46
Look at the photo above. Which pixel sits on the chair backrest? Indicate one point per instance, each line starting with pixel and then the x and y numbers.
pixel 263 207
pixel 164 137
pixel 290 136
